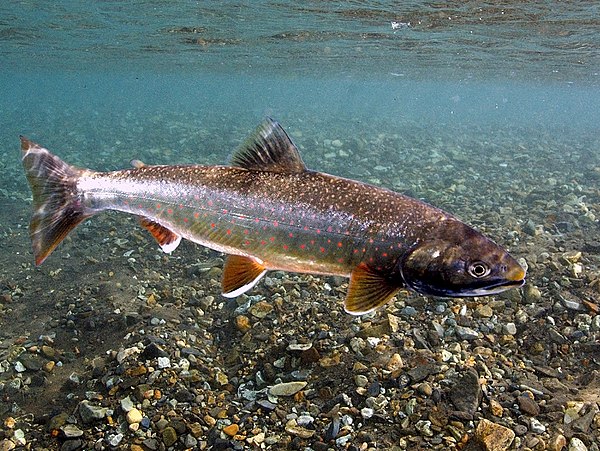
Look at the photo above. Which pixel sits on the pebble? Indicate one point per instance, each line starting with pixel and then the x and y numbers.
pixel 536 427
pixel 126 404
pixel 169 436
pixel 260 309
pixel 577 445
pixel 466 333
pixel 292 428
pixel 287 388
pixel 242 323
pixel 493 436
pixel 465 393
pixel 115 439
pixel 164 362
pixel 528 405
pixel 484 311
pixel 231 430
pixel 510 328
pixel 90 412
pixel 71 431
pixel 361 380
pixel 7 445
pixel 134 416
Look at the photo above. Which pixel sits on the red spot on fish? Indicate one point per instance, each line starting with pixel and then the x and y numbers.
pixel 303 246
pixel 210 203
pixel 385 254
pixel 170 211
pixel 285 247
pixel 263 242
pixel 318 231
pixel 322 249
pixel 185 219
pixel 228 231
pixel 340 260
pixel 291 235
pixel 305 228
pixel 158 206
pixel 330 229
pixel 213 225
pixel 355 251
pixel 247 243
pixel 340 244
pixel 224 211
pixel 272 239
pixel 246 232
pixel 275 223
pixel 196 215
pixel 181 206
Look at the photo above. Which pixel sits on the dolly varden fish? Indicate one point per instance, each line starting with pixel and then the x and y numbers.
pixel 269 212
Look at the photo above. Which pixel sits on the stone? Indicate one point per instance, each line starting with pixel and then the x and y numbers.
pixel 465 393
pixel 260 309
pixel 466 333
pixel 292 428
pixel 126 404
pixel 242 322
pixel 577 445
pixel 72 445
pixel 7 445
pixel 361 380
pixel 287 388
pixel 496 409
pixel 134 416
pixel 115 439
pixel 394 365
pixel 232 429
pixel 57 421
pixel 536 427
pixel 71 431
pixel 484 311
pixel 90 412
pixel 169 436
pixel 494 437
pixel 528 406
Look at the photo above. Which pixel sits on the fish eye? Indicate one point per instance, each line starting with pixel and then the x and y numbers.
pixel 478 269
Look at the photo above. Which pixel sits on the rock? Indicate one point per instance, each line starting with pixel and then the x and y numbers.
pixel 484 311
pixel 71 431
pixel 536 427
pixel 126 404
pixel 231 430
pixel 57 421
pixel 242 323
pixel 115 439
pixel 576 445
pixel 7 445
pixel 287 388
pixel 528 405
pixel 292 428
pixel 32 362
pixel 152 351
pixel 494 437
pixel 495 408
pixel 134 416
pixel 90 412
pixel 260 309
pixel 394 365
pixel 169 436
pixel 361 380
pixel 465 393
pixel 510 328
pixel 163 362
pixel 466 333
pixel 558 443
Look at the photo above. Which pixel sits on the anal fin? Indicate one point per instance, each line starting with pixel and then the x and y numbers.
pixel 167 239
pixel 367 291
pixel 240 274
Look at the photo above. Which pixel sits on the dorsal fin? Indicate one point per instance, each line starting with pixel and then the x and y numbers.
pixel 270 149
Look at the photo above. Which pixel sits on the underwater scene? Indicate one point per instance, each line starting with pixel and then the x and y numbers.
pixel 487 111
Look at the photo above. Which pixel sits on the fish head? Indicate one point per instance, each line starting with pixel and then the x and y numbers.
pixel 460 262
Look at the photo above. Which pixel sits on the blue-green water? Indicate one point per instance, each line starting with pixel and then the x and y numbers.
pixel 490 110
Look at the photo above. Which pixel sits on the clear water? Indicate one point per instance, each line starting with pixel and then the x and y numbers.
pixel 505 83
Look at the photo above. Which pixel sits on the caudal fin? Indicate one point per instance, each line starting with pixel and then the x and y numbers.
pixel 57 205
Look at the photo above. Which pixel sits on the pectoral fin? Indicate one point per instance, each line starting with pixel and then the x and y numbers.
pixel 240 274
pixel 367 291
pixel 167 240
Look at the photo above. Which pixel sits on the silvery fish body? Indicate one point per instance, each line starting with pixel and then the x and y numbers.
pixel 269 212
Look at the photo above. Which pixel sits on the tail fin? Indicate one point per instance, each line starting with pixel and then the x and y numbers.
pixel 57 205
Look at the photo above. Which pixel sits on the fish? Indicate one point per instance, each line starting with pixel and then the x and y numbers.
pixel 267 211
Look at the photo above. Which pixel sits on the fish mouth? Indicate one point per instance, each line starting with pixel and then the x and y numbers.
pixel 498 287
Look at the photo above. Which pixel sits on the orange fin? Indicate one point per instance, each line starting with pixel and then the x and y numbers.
pixel 240 274
pixel 367 291
pixel 167 240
